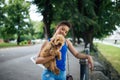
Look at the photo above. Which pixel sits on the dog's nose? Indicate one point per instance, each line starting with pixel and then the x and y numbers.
pixel 59 44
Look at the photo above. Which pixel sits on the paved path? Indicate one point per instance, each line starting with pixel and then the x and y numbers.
pixel 18 64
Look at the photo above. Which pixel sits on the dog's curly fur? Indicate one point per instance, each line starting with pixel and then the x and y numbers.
pixel 53 49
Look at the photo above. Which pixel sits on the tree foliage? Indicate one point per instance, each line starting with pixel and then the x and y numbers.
pixel 16 19
pixel 90 18
pixel 38 29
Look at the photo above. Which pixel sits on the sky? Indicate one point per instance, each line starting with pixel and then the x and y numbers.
pixel 35 16
pixel 32 11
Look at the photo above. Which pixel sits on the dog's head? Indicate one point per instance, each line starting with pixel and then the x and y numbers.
pixel 58 41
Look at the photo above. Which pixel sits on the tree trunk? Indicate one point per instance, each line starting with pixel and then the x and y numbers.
pixel 47 31
pixel 73 35
pixel 18 34
pixel 47 18
pixel 78 40
pixel 18 39
pixel 88 37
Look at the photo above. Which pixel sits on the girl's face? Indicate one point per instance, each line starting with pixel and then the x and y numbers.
pixel 63 29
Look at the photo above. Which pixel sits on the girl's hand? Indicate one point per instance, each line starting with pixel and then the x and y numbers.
pixel 52 57
pixel 90 61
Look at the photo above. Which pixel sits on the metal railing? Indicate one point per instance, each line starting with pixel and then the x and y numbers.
pixel 84 68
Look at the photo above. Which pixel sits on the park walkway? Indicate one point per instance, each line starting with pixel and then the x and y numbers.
pixel 97 74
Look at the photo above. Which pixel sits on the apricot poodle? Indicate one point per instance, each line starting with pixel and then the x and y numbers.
pixel 53 49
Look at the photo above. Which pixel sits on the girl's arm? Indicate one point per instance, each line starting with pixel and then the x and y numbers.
pixel 42 60
pixel 79 55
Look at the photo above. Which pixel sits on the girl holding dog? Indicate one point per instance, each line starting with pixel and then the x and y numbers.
pixel 62 28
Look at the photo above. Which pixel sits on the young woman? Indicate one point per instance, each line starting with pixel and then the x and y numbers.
pixel 62 28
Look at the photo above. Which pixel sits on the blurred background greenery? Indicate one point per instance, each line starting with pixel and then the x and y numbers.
pixel 90 19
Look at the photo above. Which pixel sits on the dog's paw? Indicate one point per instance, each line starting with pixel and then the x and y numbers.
pixel 59 58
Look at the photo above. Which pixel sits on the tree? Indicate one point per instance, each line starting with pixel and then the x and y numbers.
pixel 90 18
pixel 46 8
pixel 1 11
pixel 2 15
pixel 97 19
pixel 17 18
pixel 38 29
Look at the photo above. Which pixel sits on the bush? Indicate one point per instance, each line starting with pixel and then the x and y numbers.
pixel 25 42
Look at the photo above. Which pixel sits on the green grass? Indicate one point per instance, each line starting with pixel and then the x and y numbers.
pixel 111 53
pixel 3 45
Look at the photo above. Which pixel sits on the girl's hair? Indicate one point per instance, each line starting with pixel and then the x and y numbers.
pixel 63 23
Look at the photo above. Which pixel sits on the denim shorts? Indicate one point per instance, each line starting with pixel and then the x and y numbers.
pixel 48 75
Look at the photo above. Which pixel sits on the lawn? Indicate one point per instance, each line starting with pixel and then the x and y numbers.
pixel 111 53
pixel 3 45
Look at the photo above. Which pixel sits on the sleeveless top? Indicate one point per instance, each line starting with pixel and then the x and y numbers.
pixel 61 64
